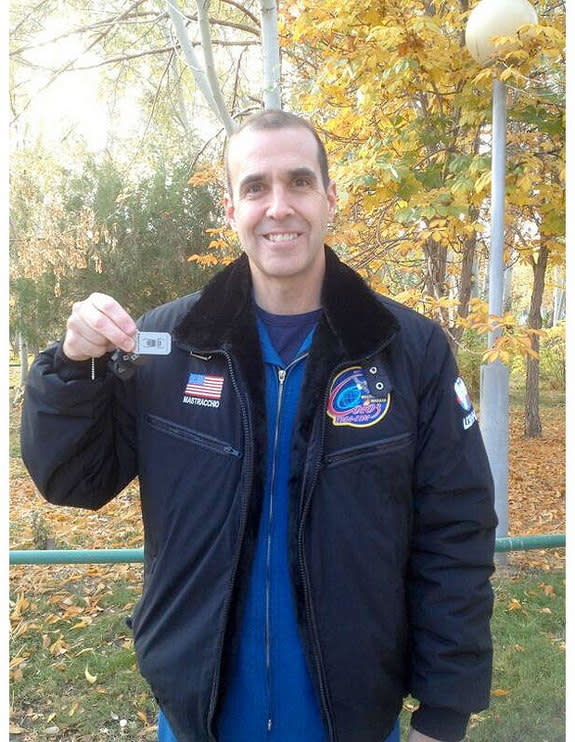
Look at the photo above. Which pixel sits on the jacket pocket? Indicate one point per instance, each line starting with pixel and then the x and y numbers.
pixel 381 447
pixel 192 436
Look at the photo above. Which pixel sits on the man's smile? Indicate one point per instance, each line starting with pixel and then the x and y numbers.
pixel 281 236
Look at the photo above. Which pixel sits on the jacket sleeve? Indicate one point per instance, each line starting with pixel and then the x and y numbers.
pixel 450 597
pixel 77 433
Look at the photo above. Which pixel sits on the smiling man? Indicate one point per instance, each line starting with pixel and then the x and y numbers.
pixel 317 503
pixel 280 206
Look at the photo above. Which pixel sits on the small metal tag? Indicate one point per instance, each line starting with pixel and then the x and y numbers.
pixel 153 344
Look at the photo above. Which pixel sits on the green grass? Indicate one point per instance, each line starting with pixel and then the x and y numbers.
pixel 529 663
pixel 86 619
pixel 78 677
pixel 528 692
pixel 68 626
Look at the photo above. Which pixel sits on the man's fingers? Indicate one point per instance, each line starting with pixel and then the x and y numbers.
pixel 96 326
pixel 111 311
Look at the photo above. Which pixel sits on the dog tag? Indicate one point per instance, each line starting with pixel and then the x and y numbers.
pixel 153 344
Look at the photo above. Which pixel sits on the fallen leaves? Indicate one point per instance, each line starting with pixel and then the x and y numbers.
pixel 59 647
pixel 537 487
pixel 55 608
pixel 89 677
pixel 549 590
pixel 18 607
pixel 514 606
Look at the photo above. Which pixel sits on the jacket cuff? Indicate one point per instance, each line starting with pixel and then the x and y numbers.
pixel 69 370
pixel 441 723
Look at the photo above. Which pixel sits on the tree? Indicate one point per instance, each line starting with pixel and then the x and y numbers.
pixel 81 221
pixel 404 109
pixel 537 181
pixel 100 230
pixel 83 239
pixel 154 36
pixel 406 112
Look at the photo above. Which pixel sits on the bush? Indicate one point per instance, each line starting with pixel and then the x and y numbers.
pixel 552 359
pixel 552 373
pixel 469 354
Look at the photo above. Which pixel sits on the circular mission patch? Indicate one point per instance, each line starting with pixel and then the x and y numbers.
pixel 351 403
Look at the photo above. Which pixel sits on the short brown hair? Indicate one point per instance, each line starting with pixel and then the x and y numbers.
pixel 272 118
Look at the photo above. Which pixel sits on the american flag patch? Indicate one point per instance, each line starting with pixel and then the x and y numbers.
pixel 205 387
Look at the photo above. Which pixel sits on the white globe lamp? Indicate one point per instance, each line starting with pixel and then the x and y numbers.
pixel 491 18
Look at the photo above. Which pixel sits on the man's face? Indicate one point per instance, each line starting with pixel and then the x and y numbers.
pixel 279 206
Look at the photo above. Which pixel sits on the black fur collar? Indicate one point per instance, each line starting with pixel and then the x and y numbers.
pixel 223 316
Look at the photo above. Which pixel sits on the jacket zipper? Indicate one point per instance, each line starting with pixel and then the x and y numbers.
pixel 179 431
pixel 305 577
pixel 358 452
pixel 309 486
pixel 281 375
pixel 247 484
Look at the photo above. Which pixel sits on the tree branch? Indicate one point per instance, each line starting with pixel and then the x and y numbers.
pixel 156 96
pixel 153 52
pixel 228 24
pixel 190 56
pixel 71 62
pixel 73 32
pixel 204 25
pixel 244 10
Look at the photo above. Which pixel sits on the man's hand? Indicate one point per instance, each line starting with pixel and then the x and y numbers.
pixel 415 736
pixel 97 326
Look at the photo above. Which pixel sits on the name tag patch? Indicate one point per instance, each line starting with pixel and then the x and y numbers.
pixel 203 390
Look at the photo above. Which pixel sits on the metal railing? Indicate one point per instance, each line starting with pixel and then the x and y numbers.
pixel 123 556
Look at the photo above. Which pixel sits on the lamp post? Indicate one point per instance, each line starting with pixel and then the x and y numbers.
pixel 490 18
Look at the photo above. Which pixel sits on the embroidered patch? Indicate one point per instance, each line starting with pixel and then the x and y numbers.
pixel 464 400
pixel 204 390
pixel 351 403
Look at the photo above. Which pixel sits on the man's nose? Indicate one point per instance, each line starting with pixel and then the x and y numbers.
pixel 279 205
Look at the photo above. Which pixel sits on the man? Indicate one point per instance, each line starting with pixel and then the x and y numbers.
pixel 317 502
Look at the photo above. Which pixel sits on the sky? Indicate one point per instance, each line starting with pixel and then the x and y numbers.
pixel 71 102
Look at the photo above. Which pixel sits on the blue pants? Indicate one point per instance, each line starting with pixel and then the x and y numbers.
pixel 165 734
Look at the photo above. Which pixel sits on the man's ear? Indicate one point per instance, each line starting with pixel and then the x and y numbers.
pixel 331 199
pixel 229 210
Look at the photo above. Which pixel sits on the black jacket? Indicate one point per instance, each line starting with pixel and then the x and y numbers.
pixel 391 524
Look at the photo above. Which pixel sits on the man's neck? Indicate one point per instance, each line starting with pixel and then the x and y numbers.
pixel 294 294
pixel 282 299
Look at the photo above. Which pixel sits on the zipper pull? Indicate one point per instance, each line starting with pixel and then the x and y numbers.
pixel 281 375
pixel 269 724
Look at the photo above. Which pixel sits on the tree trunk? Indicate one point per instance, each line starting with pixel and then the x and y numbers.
pixel 271 54
pixel 435 272
pixel 466 277
pixel 23 359
pixel 558 297
pixel 532 423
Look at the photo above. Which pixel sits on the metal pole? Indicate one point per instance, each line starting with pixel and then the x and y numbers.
pixel 76 556
pixel 494 392
pixel 125 556
pixel 524 543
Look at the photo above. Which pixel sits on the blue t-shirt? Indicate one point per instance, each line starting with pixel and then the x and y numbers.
pixel 288 331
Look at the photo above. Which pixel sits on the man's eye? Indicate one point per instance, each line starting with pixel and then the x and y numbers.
pixel 253 189
pixel 301 182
